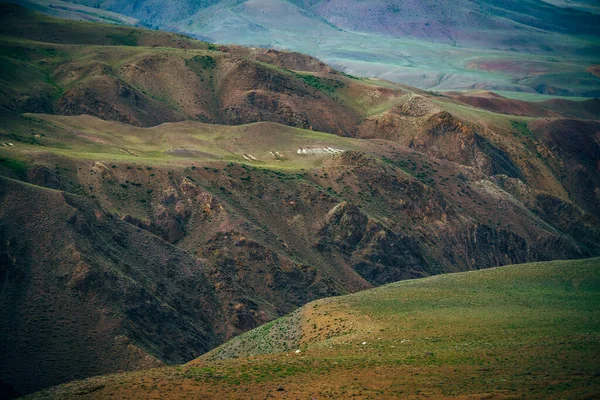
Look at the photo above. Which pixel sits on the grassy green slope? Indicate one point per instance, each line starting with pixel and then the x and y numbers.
pixel 179 144
pixel 527 330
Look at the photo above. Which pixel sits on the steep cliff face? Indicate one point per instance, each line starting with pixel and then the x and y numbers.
pixel 381 256
pixel 428 234
pixel 376 253
pixel 563 214
pixel 574 154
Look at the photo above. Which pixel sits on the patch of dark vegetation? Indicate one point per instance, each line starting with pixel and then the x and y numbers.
pixel 200 63
pixel 325 85
pixel 522 128
pixel 7 391
pixel 376 253
pixel 349 76
pixel 28 139
pixel 17 167
pixel 124 39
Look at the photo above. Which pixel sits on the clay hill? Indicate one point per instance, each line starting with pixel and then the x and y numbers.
pixel 161 195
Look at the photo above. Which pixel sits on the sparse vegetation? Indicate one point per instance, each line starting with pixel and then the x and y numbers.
pixel 325 85
pixel 198 63
pixel 201 200
pixel 517 330
pixel 19 168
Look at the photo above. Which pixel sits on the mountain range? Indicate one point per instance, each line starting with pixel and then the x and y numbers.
pixel 160 195
pixel 536 46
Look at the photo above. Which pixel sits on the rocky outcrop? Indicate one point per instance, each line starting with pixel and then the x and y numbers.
pixel 44 176
pixel 568 218
pixel 482 246
pixel 375 252
pixel 91 287
pixel 259 284
pixel 424 126
pixel 573 155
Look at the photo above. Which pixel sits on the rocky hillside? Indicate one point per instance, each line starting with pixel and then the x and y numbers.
pixel 491 333
pixel 199 191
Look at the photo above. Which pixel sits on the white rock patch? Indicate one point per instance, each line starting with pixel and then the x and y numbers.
pixel 310 151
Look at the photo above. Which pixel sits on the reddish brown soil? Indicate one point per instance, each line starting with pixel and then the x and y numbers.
pixel 507 106
pixel 594 70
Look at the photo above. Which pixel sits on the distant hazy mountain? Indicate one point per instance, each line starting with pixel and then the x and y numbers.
pixel 459 44
pixel 457 21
